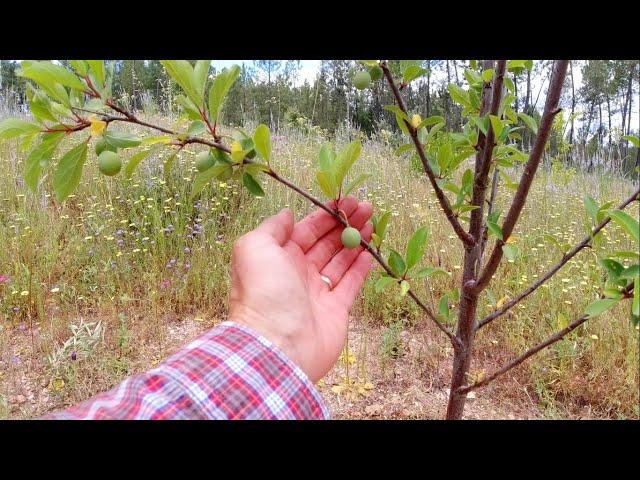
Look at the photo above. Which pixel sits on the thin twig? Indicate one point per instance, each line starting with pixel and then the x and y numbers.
pixel 532 351
pixel 567 256
pixel 444 203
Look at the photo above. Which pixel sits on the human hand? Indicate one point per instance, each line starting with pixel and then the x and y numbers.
pixel 276 288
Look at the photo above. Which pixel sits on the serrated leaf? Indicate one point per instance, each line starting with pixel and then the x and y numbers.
pixel 134 161
pixel 600 306
pixel 221 86
pixel 46 73
pixel 496 125
pixel 203 178
pixel 355 183
pixel 196 128
pixel 384 282
pixel 327 183
pixel 430 271
pixel 629 224
pixel 69 171
pixel 495 230
pixel 404 287
pixel 262 142
pixel 458 95
pixel 346 159
pixel 40 156
pixel 633 139
pixel 252 185
pixel 529 121
pixel 121 139
pixel 415 247
pixel 396 262
pixel 182 72
pixel 14 127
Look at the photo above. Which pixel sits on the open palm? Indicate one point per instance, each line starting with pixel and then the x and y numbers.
pixel 277 289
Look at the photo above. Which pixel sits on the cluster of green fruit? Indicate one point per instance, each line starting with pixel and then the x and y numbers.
pixel 108 161
pixel 363 79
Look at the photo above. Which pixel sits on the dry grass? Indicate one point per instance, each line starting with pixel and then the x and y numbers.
pixel 124 252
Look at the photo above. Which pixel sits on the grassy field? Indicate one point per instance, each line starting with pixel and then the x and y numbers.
pixel 113 273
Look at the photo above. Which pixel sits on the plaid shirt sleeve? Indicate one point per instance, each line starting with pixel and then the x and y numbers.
pixel 229 372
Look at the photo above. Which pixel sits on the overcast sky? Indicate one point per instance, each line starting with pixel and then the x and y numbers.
pixel 309 69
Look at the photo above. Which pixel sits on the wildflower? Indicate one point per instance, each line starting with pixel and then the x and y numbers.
pixel 24 293
pixel 55 290
pixel 165 284
pixel 74 355
pixel 4 279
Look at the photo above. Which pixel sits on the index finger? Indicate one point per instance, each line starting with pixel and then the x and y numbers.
pixel 314 226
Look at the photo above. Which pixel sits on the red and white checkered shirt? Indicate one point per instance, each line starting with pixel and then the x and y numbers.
pixel 229 372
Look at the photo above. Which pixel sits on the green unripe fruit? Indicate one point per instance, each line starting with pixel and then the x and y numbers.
pixel 102 145
pixel 109 163
pixel 204 161
pixel 376 73
pixel 350 237
pixel 362 80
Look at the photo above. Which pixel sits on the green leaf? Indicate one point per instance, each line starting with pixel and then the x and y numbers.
pixel 530 122
pixel 97 68
pixel 443 306
pixel 591 207
pixel 203 178
pixel 404 287
pixel 39 157
pixel 397 110
pixel 196 128
pixel 189 107
pixel 429 271
pixel 458 95
pixel 14 127
pixel 69 171
pixel 396 263
pixel 613 268
pixel 262 142
pixel 510 251
pixel 416 245
pixel 252 185
pixel 134 161
pixel 384 282
pixel 430 121
pixel 168 163
pixel 80 66
pixel 121 139
pixel 629 224
pixel 182 72
pixel 221 86
pixel 496 125
pixel 200 75
pixel 495 229
pixel 47 73
pixel 412 72
pixel 380 226
pixel 445 156
pixel 630 272
pixel 346 159
pixel 516 65
pixel 599 306
pixel 403 148
pixel 633 139
pixel 487 75
pixel 635 304
pixel 351 186
pixel 327 183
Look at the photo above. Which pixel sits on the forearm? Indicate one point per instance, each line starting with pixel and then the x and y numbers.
pixel 230 372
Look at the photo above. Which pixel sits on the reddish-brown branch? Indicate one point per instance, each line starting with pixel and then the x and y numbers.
pixel 550 111
pixel 567 256
pixel 444 203
pixel 130 118
pixel 532 351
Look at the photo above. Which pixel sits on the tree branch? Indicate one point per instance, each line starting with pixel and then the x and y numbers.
pixel 532 351
pixel 444 203
pixel 130 118
pixel 567 256
pixel 550 111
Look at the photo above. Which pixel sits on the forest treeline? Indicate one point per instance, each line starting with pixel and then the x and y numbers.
pixel 597 111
